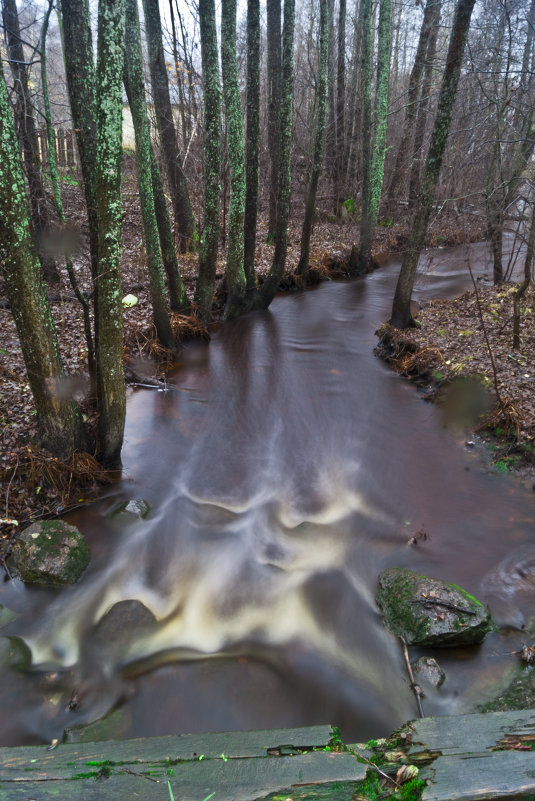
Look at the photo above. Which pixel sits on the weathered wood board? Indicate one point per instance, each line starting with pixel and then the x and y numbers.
pixel 476 756
pixel 481 777
pixel 457 734
pixel 237 766
pixel 462 758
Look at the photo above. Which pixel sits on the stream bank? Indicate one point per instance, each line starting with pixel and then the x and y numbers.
pixel 488 395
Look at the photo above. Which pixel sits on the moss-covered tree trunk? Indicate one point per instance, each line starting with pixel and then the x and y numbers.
pixel 252 142
pixel 135 89
pixel 212 159
pixel 401 308
pixel 274 67
pixel 166 128
pixel 375 171
pixel 415 82
pixel 234 273
pixel 356 267
pixel 80 74
pixel 27 134
pixel 110 372
pixel 177 292
pixel 60 425
pixel 354 125
pixel 54 180
pixel 321 102
pixel 267 290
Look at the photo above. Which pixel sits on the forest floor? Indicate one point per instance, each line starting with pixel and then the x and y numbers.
pixel 449 344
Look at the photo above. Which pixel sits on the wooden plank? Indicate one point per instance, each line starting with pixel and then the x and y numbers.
pixel 231 780
pixel 496 775
pixel 73 758
pixel 459 734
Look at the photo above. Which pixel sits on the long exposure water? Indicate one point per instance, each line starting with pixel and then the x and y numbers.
pixel 285 467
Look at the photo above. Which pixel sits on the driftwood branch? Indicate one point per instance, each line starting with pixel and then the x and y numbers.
pixel 417 690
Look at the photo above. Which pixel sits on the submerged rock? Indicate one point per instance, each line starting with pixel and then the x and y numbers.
pixel 112 727
pixel 427 671
pixel 50 552
pixel 6 616
pixel 426 611
pixel 14 653
pixel 136 507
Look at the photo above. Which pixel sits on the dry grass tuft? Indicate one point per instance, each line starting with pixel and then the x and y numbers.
pixel 188 326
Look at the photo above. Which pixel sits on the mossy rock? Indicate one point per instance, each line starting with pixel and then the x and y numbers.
pixel 520 694
pixel 426 611
pixel 50 552
pixel 114 726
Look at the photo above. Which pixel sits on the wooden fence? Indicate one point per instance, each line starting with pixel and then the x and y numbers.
pixel 64 147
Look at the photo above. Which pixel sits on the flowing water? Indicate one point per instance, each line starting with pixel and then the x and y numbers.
pixel 286 467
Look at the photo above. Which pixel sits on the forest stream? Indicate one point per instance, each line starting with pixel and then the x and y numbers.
pixel 286 466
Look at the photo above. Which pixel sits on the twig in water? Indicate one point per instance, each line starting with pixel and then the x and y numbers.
pixel 414 687
pixel 429 602
pixel 9 485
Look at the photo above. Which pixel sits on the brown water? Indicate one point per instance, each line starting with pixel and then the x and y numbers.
pixel 285 467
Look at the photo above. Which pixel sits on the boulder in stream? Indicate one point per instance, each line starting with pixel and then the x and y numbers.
pixel 426 670
pixel 426 611
pixel 50 552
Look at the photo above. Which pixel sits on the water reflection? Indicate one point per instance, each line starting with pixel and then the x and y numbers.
pixel 286 467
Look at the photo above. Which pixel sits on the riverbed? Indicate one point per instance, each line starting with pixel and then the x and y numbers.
pixel 285 467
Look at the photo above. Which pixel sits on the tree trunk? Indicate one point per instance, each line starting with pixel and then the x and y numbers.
pixel 179 80
pixel 522 289
pixel 356 267
pixel 234 273
pixel 80 74
pixel 110 373
pixel 401 308
pixel 54 180
pixel 274 66
pixel 321 101
pixel 415 81
pixel 375 170
pixel 252 144
pixel 212 159
pixel 166 127
pixel 340 157
pixel 177 292
pixel 60 424
pixel 423 106
pixel 355 126
pixel 267 291
pixel 134 83
pixel 27 134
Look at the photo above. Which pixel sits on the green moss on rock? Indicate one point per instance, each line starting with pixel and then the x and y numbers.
pixel 50 552
pixel 520 694
pixel 429 612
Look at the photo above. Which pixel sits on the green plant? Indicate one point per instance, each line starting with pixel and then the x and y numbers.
pixel 67 179
pixel 349 206
pixel 410 791
pixel 371 787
